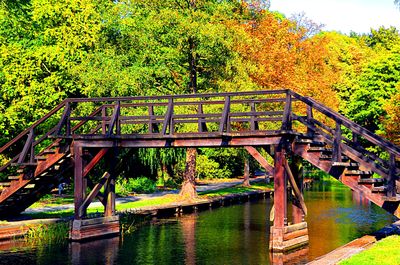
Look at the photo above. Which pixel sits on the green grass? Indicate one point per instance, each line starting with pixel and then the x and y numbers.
pixel 237 190
pixel 383 252
pixel 167 199
pixel 52 201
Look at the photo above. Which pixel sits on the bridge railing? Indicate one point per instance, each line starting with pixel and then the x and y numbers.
pixel 194 114
pixel 346 136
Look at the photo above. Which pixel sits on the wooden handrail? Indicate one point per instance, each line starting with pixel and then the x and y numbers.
pixel 181 96
pixel 354 127
pixel 33 126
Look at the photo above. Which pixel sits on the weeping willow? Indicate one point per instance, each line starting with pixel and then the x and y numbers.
pixel 156 157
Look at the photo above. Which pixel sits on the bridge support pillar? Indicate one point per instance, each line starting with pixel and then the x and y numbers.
pixel 283 236
pixel 82 227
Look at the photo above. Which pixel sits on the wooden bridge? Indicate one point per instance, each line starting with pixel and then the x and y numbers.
pixel 80 133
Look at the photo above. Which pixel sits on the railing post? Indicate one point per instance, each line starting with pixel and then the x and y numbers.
pixel 168 116
pixel 337 152
pixel 27 147
pixel 310 117
pixel 115 121
pixel 32 151
pixel 201 122
pixel 391 185
pixel 103 120
pixel 253 122
pixel 287 113
pixel 65 120
pixel 225 115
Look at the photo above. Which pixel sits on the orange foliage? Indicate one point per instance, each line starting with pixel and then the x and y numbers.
pixel 392 122
pixel 286 58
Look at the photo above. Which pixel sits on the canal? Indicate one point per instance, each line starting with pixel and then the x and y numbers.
pixel 236 234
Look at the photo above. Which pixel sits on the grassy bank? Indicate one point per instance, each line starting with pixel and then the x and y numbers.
pixel 383 252
pixel 163 200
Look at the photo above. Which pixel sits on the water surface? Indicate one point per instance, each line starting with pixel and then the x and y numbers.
pixel 237 234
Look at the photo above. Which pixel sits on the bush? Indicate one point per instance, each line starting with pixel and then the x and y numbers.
pixel 139 185
pixel 208 169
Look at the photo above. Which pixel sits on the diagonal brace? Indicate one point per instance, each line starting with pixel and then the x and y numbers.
pixel 93 193
pixel 296 189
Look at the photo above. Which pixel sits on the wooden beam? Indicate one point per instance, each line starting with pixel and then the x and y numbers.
pixel 114 120
pixel 93 194
pixel 168 117
pixel 94 161
pixel 295 188
pixel 260 159
pixel 287 113
pixel 79 184
pixel 27 146
pixel 223 125
pixel 280 189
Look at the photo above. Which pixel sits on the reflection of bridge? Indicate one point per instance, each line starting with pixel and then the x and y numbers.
pixel 79 133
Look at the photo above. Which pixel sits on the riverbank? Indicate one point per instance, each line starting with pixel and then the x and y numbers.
pixel 158 204
pixel 379 248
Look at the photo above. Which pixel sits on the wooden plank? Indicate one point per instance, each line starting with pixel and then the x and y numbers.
pixel 93 194
pixel 26 131
pixel 114 119
pixel 64 118
pixel 280 189
pixel 168 117
pixel 94 161
pixel 337 141
pixel 27 146
pixel 354 127
pixel 225 115
pixel 391 184
pixel 260 159
pixel 79 187
pixel 295 188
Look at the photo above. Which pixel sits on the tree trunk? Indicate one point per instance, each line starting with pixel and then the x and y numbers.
pixel 188 190
pixel 246 180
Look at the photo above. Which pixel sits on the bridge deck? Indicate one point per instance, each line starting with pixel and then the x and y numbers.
pixel 309 129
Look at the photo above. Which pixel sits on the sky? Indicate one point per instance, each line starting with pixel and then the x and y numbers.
pixel 343 15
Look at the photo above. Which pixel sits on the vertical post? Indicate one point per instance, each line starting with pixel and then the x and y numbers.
pixel 103 119
pixel 110 188
pixel 355 139
pixel 310 117
pixel 297 170
pixel 151 114
pixel 168 117
pixel 337 152
pixel 287 113
pixel 79 184
pixel 391 185
pixel 201 121
pixel 280 189
pixel 67 120
pixel 32 150
pixel 224 124
pixel 253 123
pixel 118 121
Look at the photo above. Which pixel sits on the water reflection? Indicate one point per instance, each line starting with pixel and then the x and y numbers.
pixel 237 234
pixel 188 224
pixel 102 251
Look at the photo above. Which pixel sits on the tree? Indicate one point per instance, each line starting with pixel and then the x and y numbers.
pixel 40 42
pixel 376 84
pixel 391 122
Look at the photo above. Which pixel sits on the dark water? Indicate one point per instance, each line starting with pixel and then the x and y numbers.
pixel 229 235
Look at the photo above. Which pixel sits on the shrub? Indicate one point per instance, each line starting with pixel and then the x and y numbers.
pixel 209 169
pixel 139 185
